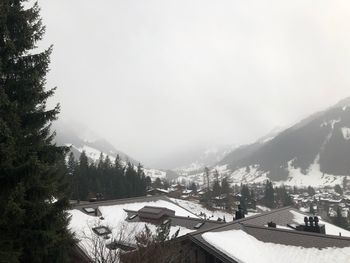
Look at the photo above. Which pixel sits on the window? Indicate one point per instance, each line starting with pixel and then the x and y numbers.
pixel 166 221
pixel 89 210
pixel 101 230
pixel 132 217
pixel 198 226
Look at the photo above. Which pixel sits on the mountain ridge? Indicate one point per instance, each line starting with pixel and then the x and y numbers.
pixel 321 139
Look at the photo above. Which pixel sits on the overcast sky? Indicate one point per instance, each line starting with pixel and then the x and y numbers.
pixel 157 76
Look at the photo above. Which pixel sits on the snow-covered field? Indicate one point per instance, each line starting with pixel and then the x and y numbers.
pixel 243 247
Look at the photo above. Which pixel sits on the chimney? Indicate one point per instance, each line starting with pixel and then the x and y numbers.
pixel 271 224
pixel 239 213
pixel 312 225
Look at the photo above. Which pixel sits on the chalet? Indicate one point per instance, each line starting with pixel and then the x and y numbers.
pixel 265 237
pixel 269 237
pixel 157 191
pixel 117 220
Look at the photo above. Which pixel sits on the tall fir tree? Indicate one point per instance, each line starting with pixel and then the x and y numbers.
pixel 71 170
pixel 269 195
pixel 33 228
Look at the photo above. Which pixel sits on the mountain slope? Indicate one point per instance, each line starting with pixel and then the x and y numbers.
pixel 317 148
pixel 80 138
pixel 204 157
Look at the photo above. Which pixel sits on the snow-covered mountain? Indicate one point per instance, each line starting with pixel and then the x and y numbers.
pixel 315 151
pixel 80 138
pixel 206 157
pixel 193 158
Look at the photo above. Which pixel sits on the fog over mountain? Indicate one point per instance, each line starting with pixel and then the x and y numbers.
pixel 156 77
pixel 315 151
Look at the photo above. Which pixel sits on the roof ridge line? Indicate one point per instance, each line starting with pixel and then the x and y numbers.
pixel 185 217
pixel 291 231
pixel 160 197
pixel 242 220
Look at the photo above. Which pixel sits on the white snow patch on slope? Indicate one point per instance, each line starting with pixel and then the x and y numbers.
pixel 154 173
pixel 313 177
pixel 93 153
pixel 346 133
pixel 243 247
pixel 250 175
pixel 193 167
pixel 331 123
pixel 330 228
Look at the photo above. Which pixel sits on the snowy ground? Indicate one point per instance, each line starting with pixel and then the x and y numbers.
pixel 243 247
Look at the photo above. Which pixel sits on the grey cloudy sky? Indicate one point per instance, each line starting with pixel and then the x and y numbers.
pixel 157 76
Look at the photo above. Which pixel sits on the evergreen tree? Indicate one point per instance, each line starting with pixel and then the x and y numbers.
pixel 339 220
pixel 141 181
pixel 207 174
pixel 269 195
pixel 345 183
pixel 225 186
pixel 295 190
pixel 118 179
pixel 245 198
pixel 157 183
pixel 282 196
pixel 338 189
pixel 130 180
pixel 311 191
pixel 253 199
pixel 193 187
pixel 33 228
pixel 83 177
pixel 148 182
pixel 216 188
pixel 166 184
pixel 71 170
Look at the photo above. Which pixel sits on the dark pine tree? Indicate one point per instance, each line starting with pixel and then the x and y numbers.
pixel 282 196
pixel 269 195
pixel 338 189
pixel 33 227
pixel 216 188
pixel 193 187
pixel 311 191
pixel 245 198
pixel 83 177
pixel 71 170
pixel 339 220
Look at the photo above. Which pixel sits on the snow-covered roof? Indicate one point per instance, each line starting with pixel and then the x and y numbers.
pixel 159 190
pixel 244 247
pixel 250 240
pixel 112 214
